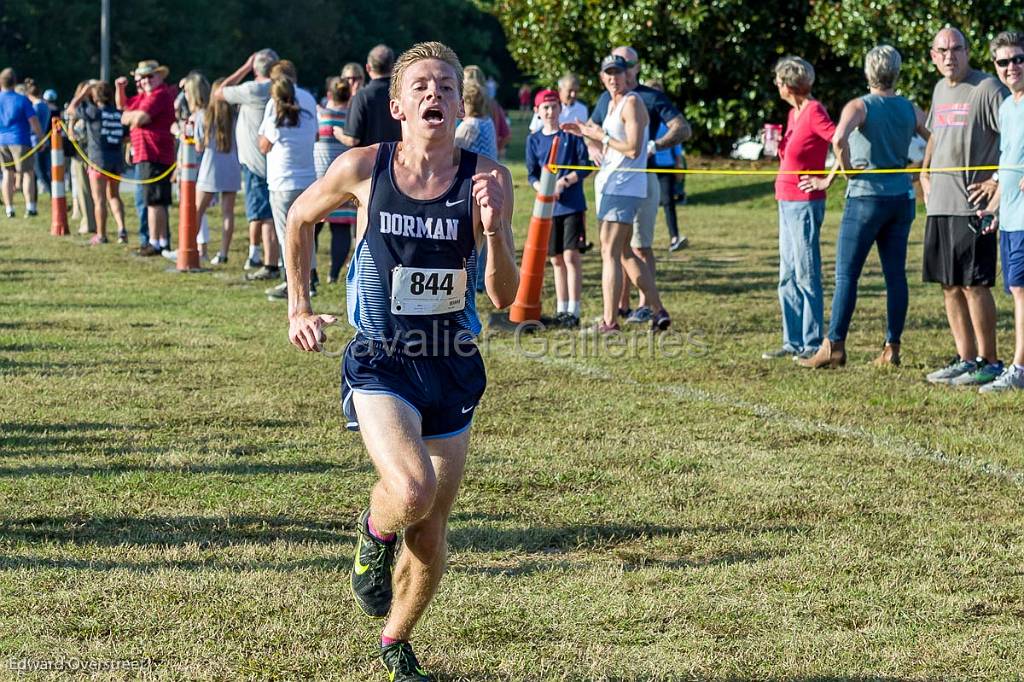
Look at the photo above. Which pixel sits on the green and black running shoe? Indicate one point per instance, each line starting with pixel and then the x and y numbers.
pixel 401 663
pixel 371 570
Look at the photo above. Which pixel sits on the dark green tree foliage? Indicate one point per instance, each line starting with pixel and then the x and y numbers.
pixel 852 28
pixel 58 43
pixel 715 57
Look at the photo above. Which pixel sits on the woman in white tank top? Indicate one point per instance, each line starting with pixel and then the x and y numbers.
pixel 621 185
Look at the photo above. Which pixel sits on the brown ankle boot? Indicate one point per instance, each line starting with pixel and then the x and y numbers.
pixel 831 355
pixel 890 356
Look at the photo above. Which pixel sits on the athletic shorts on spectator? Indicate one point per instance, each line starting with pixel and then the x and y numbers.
pixel 10 153
pixel 956 253
pixel 616 208
pixel 1012 247
pixel 568 233
pixel 157 193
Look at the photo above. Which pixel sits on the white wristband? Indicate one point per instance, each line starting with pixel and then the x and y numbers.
pixel 651 148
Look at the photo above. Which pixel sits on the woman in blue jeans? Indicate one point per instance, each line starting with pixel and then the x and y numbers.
pixel 874 132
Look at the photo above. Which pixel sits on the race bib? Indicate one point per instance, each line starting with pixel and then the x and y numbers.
pixel 424 291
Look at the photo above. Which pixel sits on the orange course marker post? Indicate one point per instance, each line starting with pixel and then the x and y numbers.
pixel 535 252
pixel 58 198
pixel 188 223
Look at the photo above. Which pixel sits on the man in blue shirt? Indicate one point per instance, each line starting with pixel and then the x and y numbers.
pixel 18 121
pixel 1007 206
pixel 659 109
pixel 568 225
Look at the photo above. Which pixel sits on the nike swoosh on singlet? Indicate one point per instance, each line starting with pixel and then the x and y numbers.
pixel 449 204
pixel 468 409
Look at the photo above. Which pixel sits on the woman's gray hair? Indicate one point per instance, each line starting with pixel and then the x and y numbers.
pixel 882 67
pixel 795 73
pixel 1006 39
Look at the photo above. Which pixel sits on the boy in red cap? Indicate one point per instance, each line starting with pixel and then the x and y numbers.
pixel 568 224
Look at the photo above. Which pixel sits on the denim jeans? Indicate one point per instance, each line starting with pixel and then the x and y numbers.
pixel 800 293
pixel 140 206
pixel 884 221
pixel 481 266
pixel 281 202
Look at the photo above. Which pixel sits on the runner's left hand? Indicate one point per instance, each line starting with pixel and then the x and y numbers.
pixel 490 196
pixel 305 331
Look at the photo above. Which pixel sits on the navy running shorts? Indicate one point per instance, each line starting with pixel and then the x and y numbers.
pixel 443 390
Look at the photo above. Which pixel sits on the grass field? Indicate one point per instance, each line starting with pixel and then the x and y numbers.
pixel 177 488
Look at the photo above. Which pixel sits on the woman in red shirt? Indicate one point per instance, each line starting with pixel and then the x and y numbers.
pixel 804 146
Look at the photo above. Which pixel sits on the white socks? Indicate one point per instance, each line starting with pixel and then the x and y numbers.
pixel 571 307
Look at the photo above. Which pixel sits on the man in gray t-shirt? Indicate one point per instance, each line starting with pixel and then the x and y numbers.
pixel 251 98
pixel 959 251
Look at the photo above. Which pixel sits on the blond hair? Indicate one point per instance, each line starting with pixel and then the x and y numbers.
pixel 475 100
pixel 418 53
pixel 474 73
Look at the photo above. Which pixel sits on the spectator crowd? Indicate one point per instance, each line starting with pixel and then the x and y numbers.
pixel 259 132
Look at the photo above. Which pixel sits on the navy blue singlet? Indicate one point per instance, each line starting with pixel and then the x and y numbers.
pixel 412 233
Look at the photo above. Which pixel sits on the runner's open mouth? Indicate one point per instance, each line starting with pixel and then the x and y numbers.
pixel 433 115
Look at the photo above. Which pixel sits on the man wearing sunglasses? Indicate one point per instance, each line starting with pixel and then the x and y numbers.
pixel 1007 207
pixel 960 250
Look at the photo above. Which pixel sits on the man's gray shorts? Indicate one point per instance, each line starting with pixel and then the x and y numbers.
pixel 643 224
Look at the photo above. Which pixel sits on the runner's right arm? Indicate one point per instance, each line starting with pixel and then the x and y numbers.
pixel 348 178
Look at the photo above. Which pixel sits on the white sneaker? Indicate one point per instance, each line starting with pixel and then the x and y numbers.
pixel 277 292
pixel 170 255
pixel 955 368
pixel 1011 379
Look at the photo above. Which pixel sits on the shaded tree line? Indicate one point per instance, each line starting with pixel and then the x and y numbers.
pixel 58 43
pixel 715 57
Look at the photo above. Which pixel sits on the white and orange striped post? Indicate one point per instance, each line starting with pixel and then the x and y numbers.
pixel 58 198
pixel 535 252
pixel 188 227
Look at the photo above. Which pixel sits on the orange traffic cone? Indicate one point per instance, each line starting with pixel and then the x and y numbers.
pixel 535 251
pixel 58 199
pixel 188 224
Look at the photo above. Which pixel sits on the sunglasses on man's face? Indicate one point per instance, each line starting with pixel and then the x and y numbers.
pixel 1017 59
pixel 146 77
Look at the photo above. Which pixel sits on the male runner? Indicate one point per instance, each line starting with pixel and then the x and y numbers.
pixel 412 376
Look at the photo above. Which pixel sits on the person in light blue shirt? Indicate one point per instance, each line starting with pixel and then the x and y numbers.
pixel 1008 56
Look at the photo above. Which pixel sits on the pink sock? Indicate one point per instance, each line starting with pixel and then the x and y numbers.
pixel 387 641
pixel 390 537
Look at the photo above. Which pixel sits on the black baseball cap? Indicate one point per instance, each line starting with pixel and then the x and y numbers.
pixel 613 62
